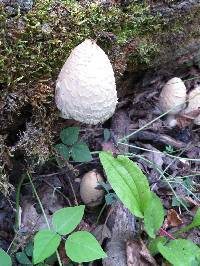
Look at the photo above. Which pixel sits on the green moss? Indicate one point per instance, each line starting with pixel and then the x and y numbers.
pixel 34 46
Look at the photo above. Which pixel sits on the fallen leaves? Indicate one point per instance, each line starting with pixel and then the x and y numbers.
pixel 172 220
pixel 138 254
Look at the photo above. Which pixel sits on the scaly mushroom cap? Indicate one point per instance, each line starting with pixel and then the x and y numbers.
pixel 173 94
pixel 194 103
pixel 90 195
pixel 85 89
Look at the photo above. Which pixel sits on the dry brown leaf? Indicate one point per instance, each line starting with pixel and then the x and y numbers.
pixel 138 254
pixel 172 220
pixel 184 120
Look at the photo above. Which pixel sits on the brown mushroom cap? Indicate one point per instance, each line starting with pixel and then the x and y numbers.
pixel 90 195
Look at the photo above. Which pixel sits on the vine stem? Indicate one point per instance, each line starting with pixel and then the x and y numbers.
pixel 43 212
pixel 17 223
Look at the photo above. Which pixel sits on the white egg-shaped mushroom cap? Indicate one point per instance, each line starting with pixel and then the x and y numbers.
pixel 90 194
pixel 194 103
pixel 173 95
pixel 85 88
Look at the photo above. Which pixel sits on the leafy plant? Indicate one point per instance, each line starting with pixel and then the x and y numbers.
pixel 132 188
pixel 110 197
pixel 72 147
pixel 4 258
pixel 80 246
pixel 180 252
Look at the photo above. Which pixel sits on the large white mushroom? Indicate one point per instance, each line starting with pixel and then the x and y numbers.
pixel 85 88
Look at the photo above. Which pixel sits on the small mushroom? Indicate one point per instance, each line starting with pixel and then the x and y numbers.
pixel 85 88
pixel 173 95
pixel 91 195
pixel 194 103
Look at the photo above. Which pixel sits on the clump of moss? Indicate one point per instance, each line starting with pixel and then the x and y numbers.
pixel 35 144
pixel 5 186
pixel 36 44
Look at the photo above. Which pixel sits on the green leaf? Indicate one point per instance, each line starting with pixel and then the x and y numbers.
pixel 29 249
pixel 23 259
pixel 106 134
pixel 180 252
pixel 128 182
pixel 5 259
pixel 110 198
pixel 63 150
pixel 153 245
pixel 81 153
pixel 153 216
pixel 46 243
pixel 83 247
pixel 196 220
pixel 66 220
pixel 69 135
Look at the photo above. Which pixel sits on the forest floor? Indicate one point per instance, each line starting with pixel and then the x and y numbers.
pixel 169 157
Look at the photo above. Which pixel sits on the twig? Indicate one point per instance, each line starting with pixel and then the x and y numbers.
pixel 160 152
pixel 75 198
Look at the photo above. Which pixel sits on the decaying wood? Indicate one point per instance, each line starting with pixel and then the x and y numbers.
pixel 158 138
pixel 121 222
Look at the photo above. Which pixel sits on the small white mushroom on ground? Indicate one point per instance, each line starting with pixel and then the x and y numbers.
pixel 173 98
pixel 173 95
pixel 91 195
pixel 85 88
pixel 194 103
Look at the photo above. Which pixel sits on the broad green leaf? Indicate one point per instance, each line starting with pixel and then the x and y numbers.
pixel 128 182
pixel 153 216
pixel 180 252
pixel 66 220
pixel 82 246
pixel 23 259
pixel 153 245
pixel 69 135
pixel 46 243
pixel 81 153
pixel 63 150
pixel 5 259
